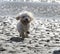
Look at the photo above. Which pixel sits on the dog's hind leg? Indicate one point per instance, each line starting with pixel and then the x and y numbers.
pixel 26 35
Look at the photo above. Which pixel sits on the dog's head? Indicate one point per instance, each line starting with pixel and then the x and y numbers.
pixel 25 17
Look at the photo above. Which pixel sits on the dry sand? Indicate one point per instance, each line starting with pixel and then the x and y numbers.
pixel 44 37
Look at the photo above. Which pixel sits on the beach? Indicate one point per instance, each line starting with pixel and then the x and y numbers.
pixel 44 37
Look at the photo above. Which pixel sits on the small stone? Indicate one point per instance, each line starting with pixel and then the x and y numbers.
pixel 23 45
pixel 47 40
pixel 4 23
pixel 28 46
pixel 35 51
pixel 47 30
pixel 56 39
pixel 47 33
pixel 49 51
pixel 30 42
pixel 36 45
pixel 2 49
pixel 12 51
pixel 8 34
pixel 51 38
pixel 24 50
pixel 45 45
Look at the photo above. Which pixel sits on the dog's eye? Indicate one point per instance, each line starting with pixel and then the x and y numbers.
pixel 23 16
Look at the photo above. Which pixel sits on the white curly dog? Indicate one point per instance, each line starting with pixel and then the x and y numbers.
pixel 23 25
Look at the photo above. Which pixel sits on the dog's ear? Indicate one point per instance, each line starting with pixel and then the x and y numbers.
pixel 31 17
pixel 18 17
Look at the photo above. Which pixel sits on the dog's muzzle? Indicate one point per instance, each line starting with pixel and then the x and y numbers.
pixel 26 20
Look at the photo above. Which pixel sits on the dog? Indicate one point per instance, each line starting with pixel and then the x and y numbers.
pixel 23 25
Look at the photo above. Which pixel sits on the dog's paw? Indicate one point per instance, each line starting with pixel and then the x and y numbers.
pixel 28 32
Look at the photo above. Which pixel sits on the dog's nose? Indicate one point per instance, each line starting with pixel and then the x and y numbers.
pixel 26 19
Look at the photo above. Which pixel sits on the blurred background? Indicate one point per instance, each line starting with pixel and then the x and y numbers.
pixel 31 0
pixel 41 8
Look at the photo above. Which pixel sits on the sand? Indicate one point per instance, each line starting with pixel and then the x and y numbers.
pixel 44 37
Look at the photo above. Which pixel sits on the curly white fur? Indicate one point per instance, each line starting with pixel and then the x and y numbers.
pixel 23 25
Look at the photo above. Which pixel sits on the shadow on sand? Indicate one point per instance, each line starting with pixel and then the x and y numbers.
pixel 16 39
pixel 56 52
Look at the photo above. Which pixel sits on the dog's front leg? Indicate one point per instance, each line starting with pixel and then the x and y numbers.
pixel 22 34
pixel 26 34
